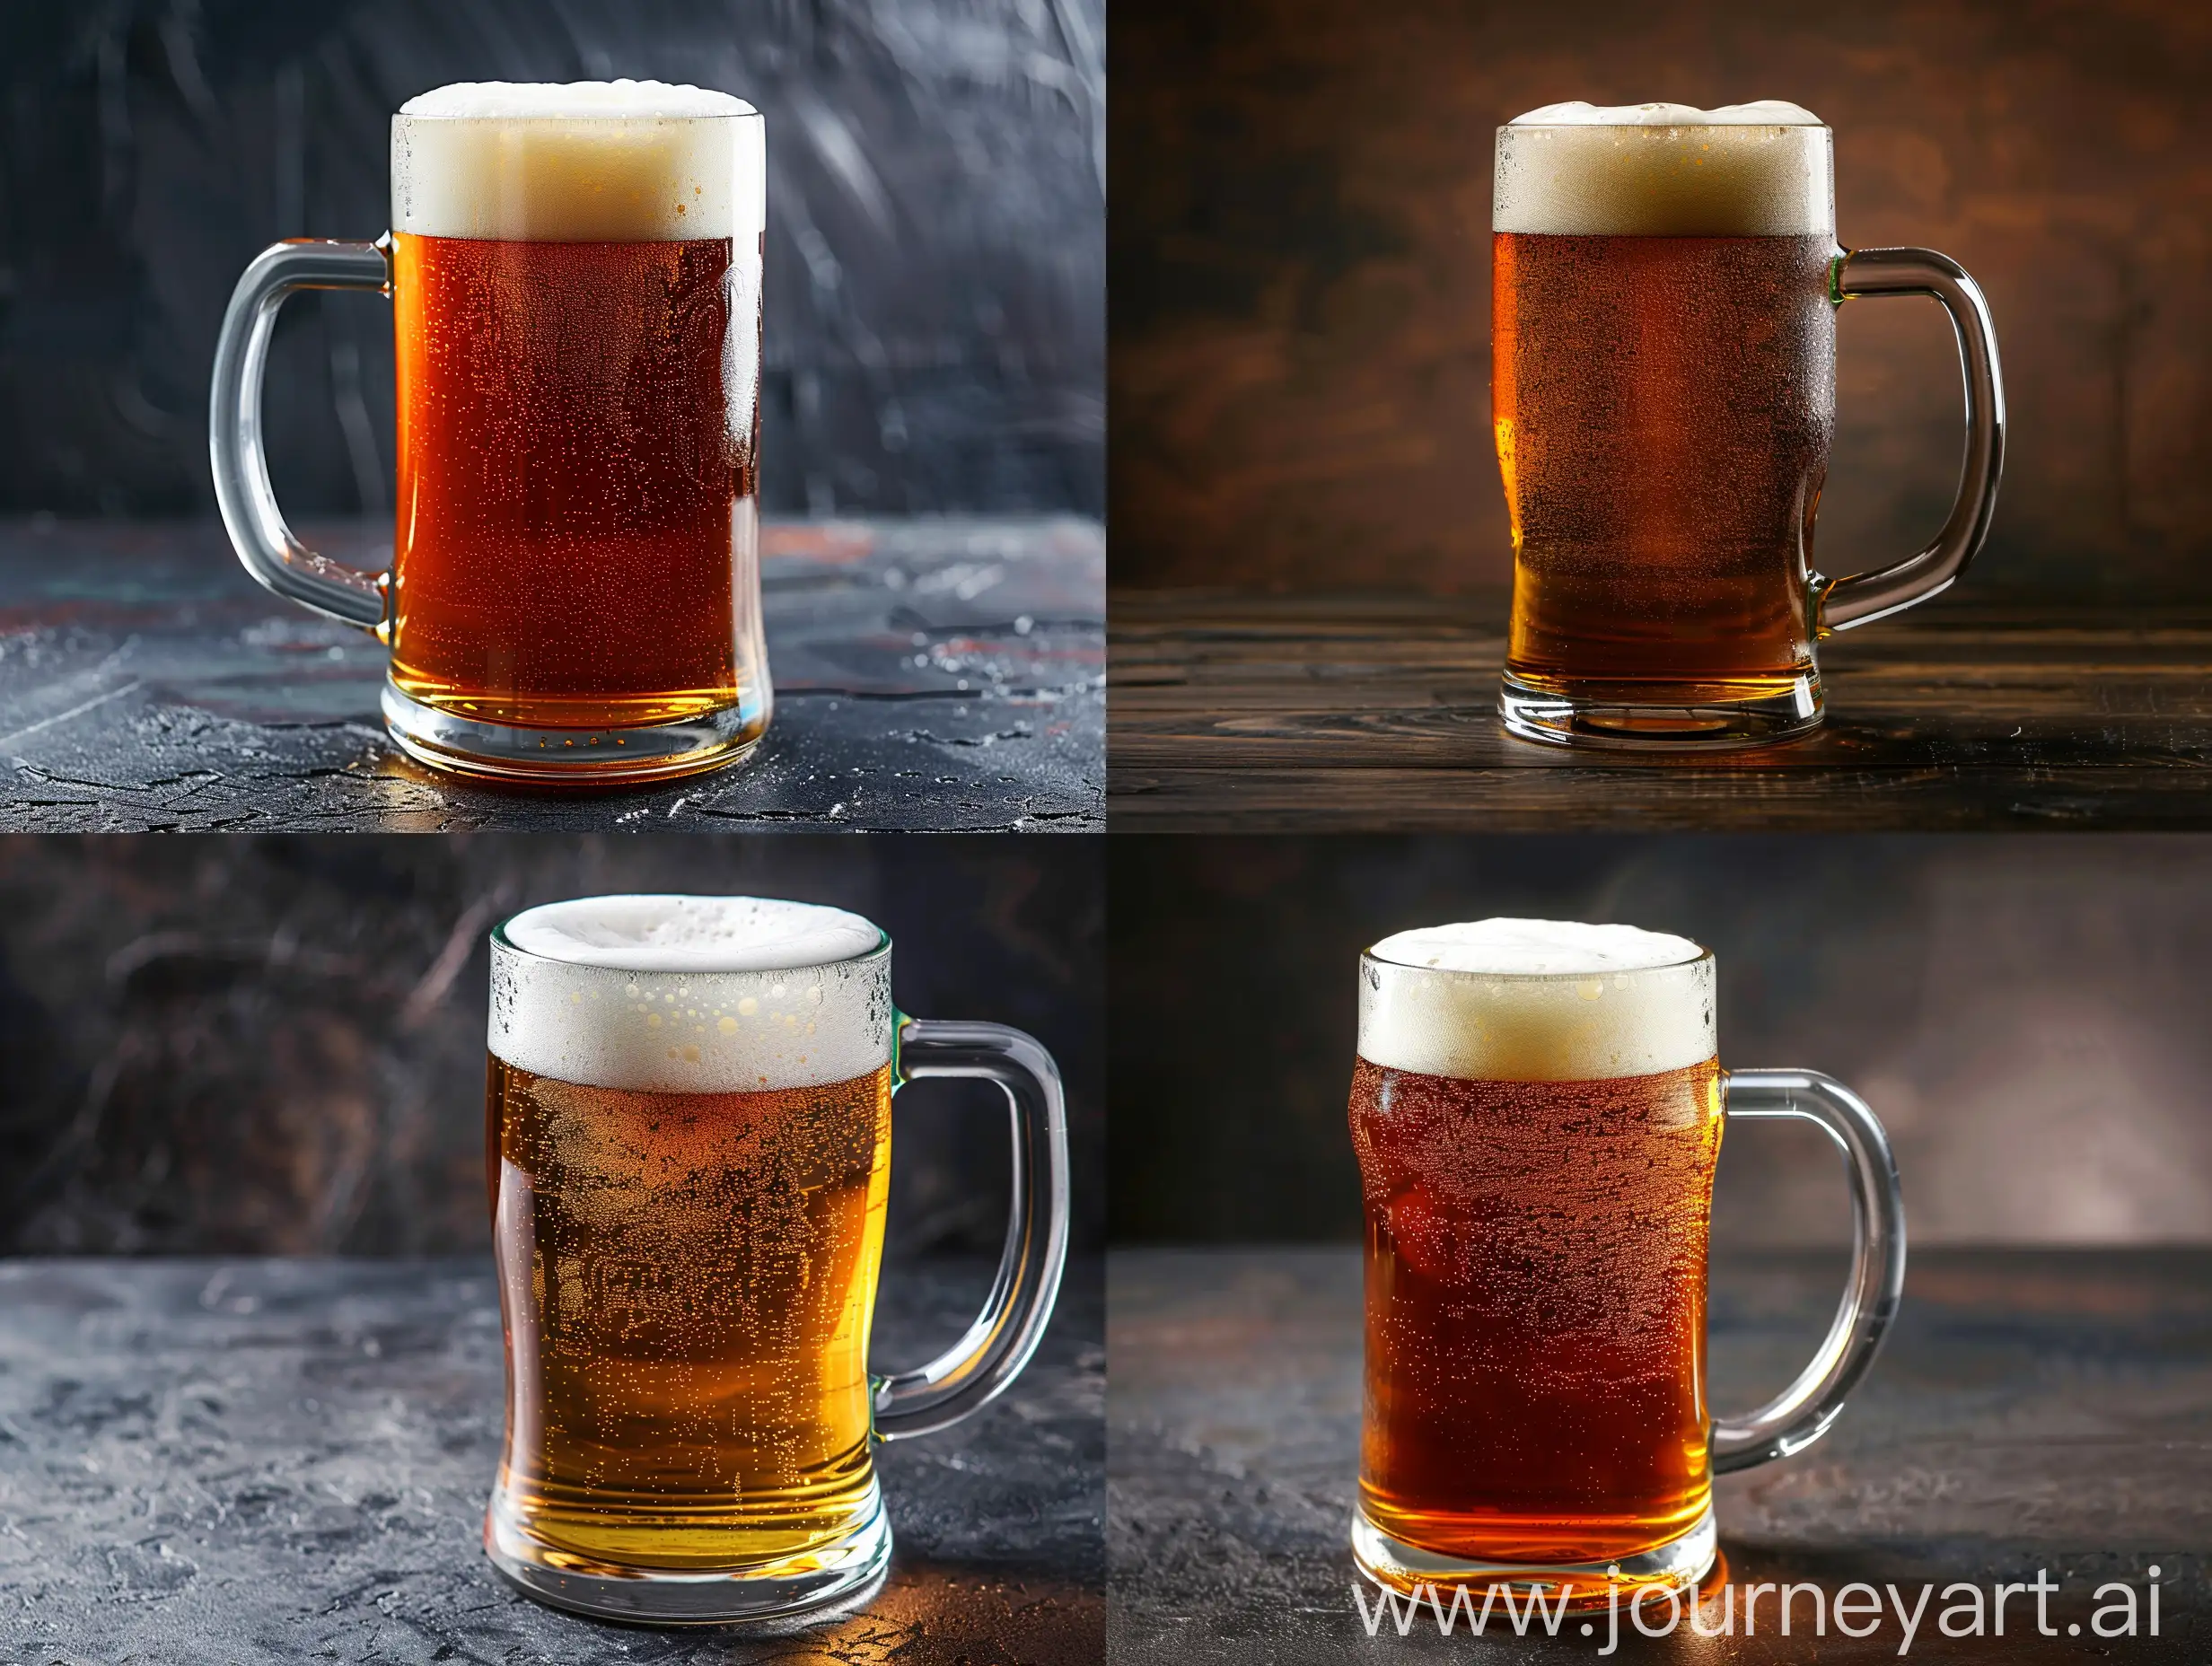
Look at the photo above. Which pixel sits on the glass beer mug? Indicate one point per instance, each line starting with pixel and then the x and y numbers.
pixel 689 1117
pixel 1664 390
pixel 1537 1108
pixel 575 273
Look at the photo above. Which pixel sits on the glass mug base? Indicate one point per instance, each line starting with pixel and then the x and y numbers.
pixel 608 757
pixel 1660 716
pixel 1678 1564
pixel 798 1589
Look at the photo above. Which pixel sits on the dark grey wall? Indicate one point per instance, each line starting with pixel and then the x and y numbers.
pixel 243 1045
pixel 2025 1013
pixel 936 256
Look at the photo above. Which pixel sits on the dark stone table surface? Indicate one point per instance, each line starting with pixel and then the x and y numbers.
pixel 2030 1410
pixel 1321 713
pixel 930 674
pixel 286 1460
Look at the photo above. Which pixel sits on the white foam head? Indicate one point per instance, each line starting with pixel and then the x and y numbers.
pixel 691 994
pixel 1535 1001
pixel 1762 169
pixel 617 162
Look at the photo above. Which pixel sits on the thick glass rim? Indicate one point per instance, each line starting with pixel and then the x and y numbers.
pixel 501 941
pixel 1368 957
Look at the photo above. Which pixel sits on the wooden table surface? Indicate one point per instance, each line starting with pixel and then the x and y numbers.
pixel 931 674
pixel 226 1463
pixel 1365 712
pixel 2030 1410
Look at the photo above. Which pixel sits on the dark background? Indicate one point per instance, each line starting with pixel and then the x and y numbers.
pixel 2025 1013
pixel 935 245
pixel 247 1046
pixel 1300 272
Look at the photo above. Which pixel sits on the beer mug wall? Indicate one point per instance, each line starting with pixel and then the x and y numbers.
pixel 575 273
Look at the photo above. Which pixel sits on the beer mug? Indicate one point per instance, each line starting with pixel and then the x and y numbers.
pixel 1537 1108
pixel 575 590
pixel 688 1113
pixel 1664 389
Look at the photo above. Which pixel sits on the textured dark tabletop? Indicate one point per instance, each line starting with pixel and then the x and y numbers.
pixel 2030 1410
pixel 930 674
pixel 1379 712
pixel 283 1460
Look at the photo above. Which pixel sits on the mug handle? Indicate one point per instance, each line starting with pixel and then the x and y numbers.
pixel 1804 1409
pixel 1840 603
pixel 235 449
pixel 973 1372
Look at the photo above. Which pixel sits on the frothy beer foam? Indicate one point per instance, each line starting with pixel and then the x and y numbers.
pixel 613 161
pixel 691 994
pixel 1762 169
pixel 1535 1001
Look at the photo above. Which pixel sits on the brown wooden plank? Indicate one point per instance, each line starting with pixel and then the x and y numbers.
pixel 1343 713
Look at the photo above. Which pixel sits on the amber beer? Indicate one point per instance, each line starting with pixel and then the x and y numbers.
pixel 1537 1108
pixel 574 272
pixel 1664 355
pixel 1536 1111
pixel 575 276
pixel 1533 1325
pixel 701 1270
pixel 1663 499
pixel 687 1128
pixel 687 1118
pixel 573 487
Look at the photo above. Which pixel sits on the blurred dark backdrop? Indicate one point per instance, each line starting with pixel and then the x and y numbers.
pixel 935 245
pixel 244 1045
pixel 1300 272
pixel 2025 1013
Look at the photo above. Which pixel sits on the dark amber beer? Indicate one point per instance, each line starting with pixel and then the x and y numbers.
pixel 1536 1109
pixel 1664 372
pixel 577 485
pixel 1665 407
pixel 1536 1256
pixel 575 590
pixel 575 275
pixel 1664 282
